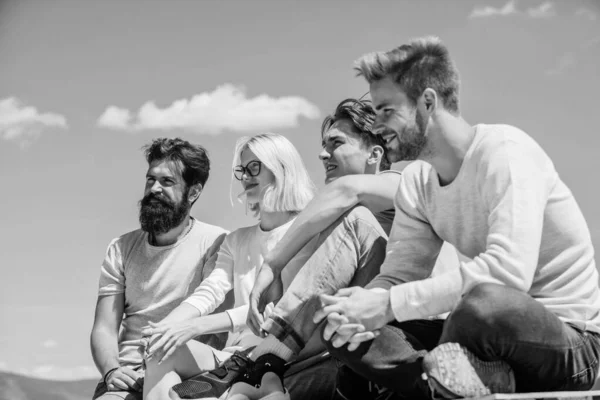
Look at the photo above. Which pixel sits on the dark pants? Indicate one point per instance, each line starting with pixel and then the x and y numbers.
pixel 495 323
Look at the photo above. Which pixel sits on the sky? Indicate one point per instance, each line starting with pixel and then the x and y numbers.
pixel 85 84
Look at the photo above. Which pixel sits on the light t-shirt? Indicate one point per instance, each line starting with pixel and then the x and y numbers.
pixel 154 279
pixel 239 259
pixel 508 211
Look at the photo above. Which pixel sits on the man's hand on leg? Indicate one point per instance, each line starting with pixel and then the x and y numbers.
pixel 124 378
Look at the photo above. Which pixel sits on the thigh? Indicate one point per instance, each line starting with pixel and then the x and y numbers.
pixel 314 382
pixel 196 357
pixel 499 323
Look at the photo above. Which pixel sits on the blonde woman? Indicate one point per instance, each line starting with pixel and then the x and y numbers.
pixel 276 186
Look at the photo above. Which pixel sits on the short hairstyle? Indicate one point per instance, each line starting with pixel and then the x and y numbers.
pixel 293 188
pixel 422 63
pixel 191 159
pixel 361 114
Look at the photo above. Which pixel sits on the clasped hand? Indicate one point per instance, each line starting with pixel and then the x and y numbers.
pixel 354 315
pixel 267 289
pixel 166 338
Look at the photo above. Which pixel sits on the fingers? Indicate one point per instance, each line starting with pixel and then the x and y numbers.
pixel 159 344
pixel 350 329
pixel 254 319
pixel 153 329
pixel 334 320
pixel 327 300
pixel 346 292
pixel 329 304
pixel 361 337
pixel 125 378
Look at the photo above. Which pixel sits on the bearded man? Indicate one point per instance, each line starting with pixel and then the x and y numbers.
pixel 148 272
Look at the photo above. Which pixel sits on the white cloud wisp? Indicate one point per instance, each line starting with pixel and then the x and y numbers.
pixel 23 124
pixel 227 108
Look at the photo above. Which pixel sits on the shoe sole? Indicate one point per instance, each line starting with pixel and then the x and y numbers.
pixel 451 370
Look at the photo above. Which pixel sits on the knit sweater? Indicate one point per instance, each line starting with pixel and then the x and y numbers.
pixel 509 212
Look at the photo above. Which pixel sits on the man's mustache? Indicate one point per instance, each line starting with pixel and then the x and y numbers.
pixel 146 200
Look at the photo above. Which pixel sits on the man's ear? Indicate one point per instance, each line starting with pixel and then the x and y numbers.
pixel 195 192
pixel 376 155
pixel 429 101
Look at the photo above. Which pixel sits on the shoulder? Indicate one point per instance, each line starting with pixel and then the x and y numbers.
pixel 508 149
pixel 505 139
pixel 208 229
pixel 416 174
pixel 128 240
pixel 241 234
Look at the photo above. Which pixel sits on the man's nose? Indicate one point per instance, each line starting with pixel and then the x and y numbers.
pixel 324 155
pixel 156 187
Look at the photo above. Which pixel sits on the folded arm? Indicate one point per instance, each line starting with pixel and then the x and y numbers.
pixel 376 192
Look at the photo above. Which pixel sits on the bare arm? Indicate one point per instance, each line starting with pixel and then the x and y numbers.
pixel 104 337
pixel 376 192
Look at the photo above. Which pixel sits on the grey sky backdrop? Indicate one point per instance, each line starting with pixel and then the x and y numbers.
pixel 85 84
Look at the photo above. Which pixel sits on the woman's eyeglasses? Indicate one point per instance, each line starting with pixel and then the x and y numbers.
pixel 251 169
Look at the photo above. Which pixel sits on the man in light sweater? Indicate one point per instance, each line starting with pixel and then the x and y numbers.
pixel 148 272
pixel 525 309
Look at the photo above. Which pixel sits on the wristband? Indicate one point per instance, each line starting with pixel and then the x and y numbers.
pixel 110 371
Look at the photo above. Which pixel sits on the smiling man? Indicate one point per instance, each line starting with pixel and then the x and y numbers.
pixel 525 307
pixel 147 273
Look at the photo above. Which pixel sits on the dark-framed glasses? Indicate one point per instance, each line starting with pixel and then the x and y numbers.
pixel 251 169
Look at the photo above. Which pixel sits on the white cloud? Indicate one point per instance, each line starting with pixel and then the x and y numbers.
pixel 544 10
pixel 586 13
pixel 3 366
pixel 227 108
pixel 23 124
pixel 50 343
pixel 488 11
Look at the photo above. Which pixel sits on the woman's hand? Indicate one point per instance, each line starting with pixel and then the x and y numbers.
pixel 168 337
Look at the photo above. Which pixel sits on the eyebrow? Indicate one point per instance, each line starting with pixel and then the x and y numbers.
pixel 330 138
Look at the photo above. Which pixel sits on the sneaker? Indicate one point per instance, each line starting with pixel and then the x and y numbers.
pixel 352 386
pixel 454 372
pixel 269 388
pixel 238 368
pixel 212 383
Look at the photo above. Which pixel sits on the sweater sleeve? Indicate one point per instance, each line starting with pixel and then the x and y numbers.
pixel 211 292
pixel 238 316
pixel 515 187
pixel 515 183
pixel 413 246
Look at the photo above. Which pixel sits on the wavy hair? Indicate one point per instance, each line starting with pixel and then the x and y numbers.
pixel 293 188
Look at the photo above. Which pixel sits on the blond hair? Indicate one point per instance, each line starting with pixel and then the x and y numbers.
pixel 293 188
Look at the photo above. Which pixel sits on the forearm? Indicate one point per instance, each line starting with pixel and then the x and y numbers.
pixel 183 312
pixel 322 211
pixel 214 323
pixel 105 349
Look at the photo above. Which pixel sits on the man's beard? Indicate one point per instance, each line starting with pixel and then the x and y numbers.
pixel 161 215
pixel 411 141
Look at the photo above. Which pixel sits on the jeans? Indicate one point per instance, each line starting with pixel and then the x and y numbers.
pixel 312 378
pixel 494 322
pixel 348 253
